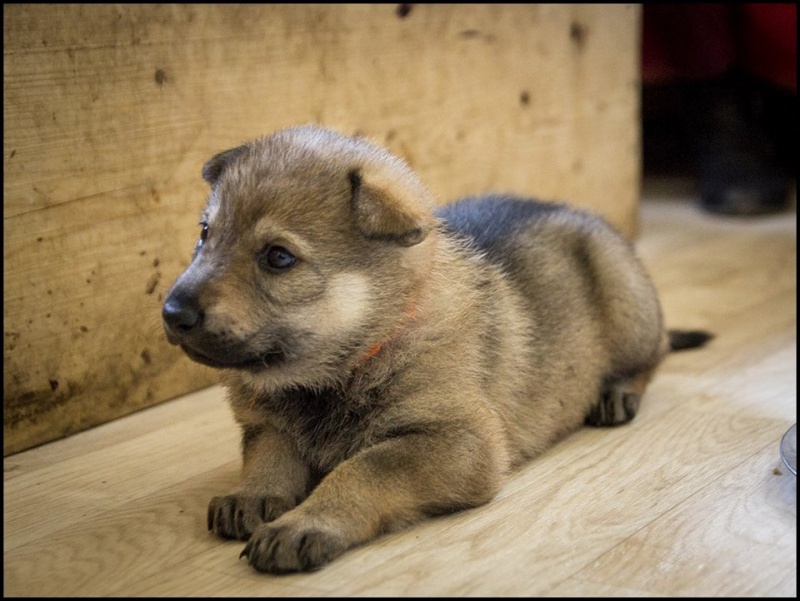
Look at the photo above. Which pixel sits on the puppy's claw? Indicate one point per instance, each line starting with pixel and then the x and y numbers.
pixel 246 551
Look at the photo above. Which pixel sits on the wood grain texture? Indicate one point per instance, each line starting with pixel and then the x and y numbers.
pixel 110 111
pixel 690 499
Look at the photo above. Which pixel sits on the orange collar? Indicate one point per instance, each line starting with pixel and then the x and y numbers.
pixel 409 316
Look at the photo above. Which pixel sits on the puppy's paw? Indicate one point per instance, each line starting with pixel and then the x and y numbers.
pixel 292 547
pixel 616 407
pixel 238 515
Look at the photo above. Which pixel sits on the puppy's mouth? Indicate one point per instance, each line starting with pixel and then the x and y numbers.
pixel 257 353
pixel 253 364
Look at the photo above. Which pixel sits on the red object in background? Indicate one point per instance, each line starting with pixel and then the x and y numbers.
pixel 769 42
pixel 691 42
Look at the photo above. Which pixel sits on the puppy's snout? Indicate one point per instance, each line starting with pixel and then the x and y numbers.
pixel 181 313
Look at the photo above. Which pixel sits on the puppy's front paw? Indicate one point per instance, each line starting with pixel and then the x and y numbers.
pixel 292 547
pixel 238 515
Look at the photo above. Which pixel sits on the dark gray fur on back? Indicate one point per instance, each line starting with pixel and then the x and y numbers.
pixel 491 221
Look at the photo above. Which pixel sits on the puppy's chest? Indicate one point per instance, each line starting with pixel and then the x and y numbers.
pixel 327 425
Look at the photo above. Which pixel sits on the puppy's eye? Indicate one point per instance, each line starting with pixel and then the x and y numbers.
pixel 277 258
pixel 203 236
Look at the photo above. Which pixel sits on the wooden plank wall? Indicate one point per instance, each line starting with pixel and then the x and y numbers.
pixel 111 110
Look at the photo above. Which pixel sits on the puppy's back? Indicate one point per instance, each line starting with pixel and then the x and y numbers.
pixel 592 311
pixel 563 259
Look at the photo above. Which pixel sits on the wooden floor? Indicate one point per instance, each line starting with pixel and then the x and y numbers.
pixel 691 499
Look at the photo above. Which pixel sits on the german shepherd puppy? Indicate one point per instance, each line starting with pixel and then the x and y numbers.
pixel 388 361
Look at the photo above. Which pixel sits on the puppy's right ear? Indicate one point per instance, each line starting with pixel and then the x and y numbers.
pixel 216 164
pixel 384 215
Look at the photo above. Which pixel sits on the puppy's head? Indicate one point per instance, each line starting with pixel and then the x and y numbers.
pixel 311 245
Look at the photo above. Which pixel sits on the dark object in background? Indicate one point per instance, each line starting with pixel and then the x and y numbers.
pixel 718 102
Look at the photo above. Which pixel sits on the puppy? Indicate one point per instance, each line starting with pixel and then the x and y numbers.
pixel 388 361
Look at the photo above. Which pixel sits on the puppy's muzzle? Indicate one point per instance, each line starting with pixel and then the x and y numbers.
pixel 185 324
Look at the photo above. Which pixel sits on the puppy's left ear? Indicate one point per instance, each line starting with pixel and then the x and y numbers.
pixel 216 164
pixel 388 211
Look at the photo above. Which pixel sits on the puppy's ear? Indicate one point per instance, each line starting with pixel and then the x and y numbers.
pixel 383 212
pixel 216 164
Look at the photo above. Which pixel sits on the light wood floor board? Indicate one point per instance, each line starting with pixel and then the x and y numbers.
pixel 690 499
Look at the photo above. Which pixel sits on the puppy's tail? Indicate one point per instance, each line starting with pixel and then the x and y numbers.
pixel 680 340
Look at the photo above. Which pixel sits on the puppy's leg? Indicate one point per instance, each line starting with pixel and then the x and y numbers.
pixel 382 488
pixel 275 479
pixel 619 400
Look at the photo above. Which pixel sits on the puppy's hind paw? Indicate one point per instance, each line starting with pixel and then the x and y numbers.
pixel 615 408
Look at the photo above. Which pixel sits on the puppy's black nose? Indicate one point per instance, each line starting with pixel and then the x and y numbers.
pixel 181 313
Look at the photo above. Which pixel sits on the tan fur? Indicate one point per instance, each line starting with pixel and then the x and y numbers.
pixel 404 371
